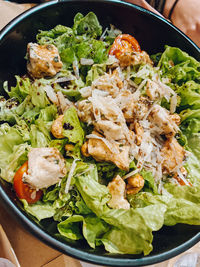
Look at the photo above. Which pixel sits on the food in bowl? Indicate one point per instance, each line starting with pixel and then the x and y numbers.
pixel 103 138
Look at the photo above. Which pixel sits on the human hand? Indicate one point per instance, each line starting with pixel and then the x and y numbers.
pixel 186 17
pixel 143 4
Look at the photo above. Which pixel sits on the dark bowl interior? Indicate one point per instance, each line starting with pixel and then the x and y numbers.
pixel 153 33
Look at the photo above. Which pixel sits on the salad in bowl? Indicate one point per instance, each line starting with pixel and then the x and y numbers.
pixel 103 138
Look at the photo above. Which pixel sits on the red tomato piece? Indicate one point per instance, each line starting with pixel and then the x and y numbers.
pixel 124 43
pixel 24 191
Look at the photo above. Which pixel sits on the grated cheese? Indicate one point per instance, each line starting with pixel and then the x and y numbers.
pixel 70 175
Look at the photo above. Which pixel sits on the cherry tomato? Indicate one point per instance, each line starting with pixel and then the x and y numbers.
pixel 24 191
pixel 124 43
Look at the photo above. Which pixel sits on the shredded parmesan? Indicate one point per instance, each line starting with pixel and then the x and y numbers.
pixel 70 175
pixel 103 34
pixel 86 61
pixel 173 103
pixel 64 79
pixel 76 69
pixel 51 94
pixel 131 173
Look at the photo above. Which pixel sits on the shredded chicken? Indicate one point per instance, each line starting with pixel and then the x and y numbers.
pixel 43 60
pixel 117 191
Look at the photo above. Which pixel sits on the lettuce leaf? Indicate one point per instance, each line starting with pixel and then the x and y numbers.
pixel 92 228
pixel 39 210
pixel 181 203
pixel 13 151
pixel 184 207
pixel 190 121
pixel 21 90
pixel 94 194
pixel 87 25
pixel 70 228
pixel 132 229
pixel 132 226
pixel 71 126
pixel 179 66
pixel 149 185
pixel 190 95
pixel 78 42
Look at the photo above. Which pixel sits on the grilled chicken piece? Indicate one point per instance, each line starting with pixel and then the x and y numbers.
pixel 117 191
pixel 57 127
pixel 134 58
pixel 109 129
pixel 84 149
pixel 136 109
pixel 164 122
pixel 180 175
pixel 139 131
pixel 85 111
pixel 43 60
pixel 46 167
pixel 173 155
pixel 110 83
pixel 176 118
pixel 135 184
pixel 100 152
pixel 153 91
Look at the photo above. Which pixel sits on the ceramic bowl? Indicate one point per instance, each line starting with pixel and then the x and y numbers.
pixel 153 33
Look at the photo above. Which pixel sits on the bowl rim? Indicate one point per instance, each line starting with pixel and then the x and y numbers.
pixel 45 237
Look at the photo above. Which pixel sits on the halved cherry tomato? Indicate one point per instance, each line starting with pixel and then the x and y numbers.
pixel 124 43
pixel 23 191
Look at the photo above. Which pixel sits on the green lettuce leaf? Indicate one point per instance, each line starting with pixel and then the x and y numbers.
pixel 71 126
pixel 190 95
pixel 39 210
pixel 37 138
pixel 132 229
pixel 70 228
pixel 92 228
pixel 94 194
pixel 59 36
pixel 190 121
pixel 132 226
pixel 184 207
pixel 149 185
pixel 13 151
pixel 21 90
pixel 87 25
pixel 8 109
pixel 179 66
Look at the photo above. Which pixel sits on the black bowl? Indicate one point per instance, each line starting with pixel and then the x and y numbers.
pixel 153 33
